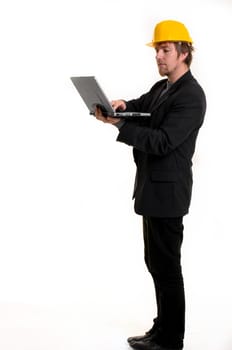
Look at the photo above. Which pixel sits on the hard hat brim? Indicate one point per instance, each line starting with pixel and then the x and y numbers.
pixel 151 44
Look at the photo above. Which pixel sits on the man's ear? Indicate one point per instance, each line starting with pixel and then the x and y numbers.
pixel 184 55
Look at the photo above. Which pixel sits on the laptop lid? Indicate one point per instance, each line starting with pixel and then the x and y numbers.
pixel 93 96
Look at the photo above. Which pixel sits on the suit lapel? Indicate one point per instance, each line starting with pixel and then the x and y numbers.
pixel 156 97
pixel 157 101
pixel 162 99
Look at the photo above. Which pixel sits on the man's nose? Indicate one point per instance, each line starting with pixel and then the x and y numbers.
pixel 158 54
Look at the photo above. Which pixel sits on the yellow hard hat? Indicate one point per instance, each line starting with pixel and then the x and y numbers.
pixel 170 31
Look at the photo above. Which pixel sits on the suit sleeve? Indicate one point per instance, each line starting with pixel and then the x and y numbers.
pixel 183 118
pixel 135 105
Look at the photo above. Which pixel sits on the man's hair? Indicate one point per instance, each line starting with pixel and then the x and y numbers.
pixel 183 47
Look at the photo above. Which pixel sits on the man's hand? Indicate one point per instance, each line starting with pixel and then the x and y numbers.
pixel 108 120
pixel 118 104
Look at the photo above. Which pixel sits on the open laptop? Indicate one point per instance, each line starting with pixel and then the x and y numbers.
pixel 93 96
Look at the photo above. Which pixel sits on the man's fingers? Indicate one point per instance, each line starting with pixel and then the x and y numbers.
pixel 113 120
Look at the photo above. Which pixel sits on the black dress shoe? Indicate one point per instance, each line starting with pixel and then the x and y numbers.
pixel 149 345
pixel 145 336
pixel 138 338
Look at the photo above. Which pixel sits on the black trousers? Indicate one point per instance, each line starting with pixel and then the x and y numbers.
pixel 162 246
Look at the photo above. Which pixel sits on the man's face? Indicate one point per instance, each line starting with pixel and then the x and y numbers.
pixel 167 59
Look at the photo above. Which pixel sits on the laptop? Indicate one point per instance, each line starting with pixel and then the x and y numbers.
pixel 93 96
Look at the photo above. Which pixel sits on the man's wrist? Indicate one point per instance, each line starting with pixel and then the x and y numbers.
pixel 120 124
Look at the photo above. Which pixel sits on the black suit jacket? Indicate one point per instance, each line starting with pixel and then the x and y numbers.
pixel 164 146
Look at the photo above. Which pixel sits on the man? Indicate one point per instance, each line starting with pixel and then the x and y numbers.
pixel 163 149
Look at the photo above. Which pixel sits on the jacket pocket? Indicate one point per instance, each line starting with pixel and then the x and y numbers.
pixel 164 176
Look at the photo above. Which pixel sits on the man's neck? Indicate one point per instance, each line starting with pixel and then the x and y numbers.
pixel 172 78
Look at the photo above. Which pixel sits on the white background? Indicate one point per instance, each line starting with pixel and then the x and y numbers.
pixel 71 250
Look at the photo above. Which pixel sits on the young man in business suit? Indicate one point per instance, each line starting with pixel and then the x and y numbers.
pixel 163 149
